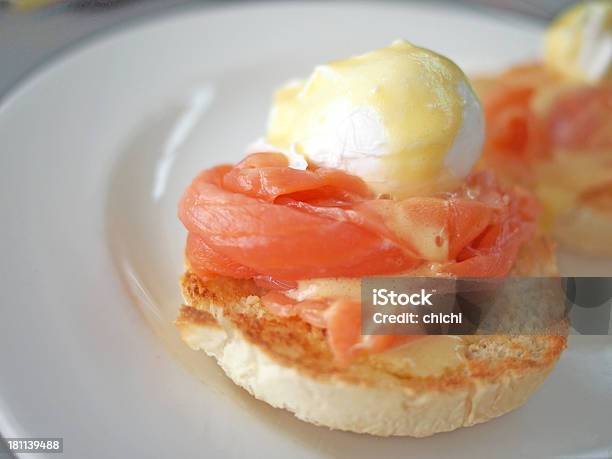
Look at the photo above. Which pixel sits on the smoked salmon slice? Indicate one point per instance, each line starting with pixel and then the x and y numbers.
pixel 268 176
pixel 263 220
pixel 363 236
pixel 343 322
pixel 513 129
pixel 577 119
pixel 282 241
pixel 581 119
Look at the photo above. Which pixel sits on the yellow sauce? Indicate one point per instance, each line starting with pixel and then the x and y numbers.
pixel 563 179
pixel 390 115
pixel 430 356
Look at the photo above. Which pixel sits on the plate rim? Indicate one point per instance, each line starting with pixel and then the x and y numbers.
pixel 169 13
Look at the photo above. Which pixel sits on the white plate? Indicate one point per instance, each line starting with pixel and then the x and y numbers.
pixel 95 152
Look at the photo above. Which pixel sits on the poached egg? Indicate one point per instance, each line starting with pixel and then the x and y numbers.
pixel 403 118
pixel 578 44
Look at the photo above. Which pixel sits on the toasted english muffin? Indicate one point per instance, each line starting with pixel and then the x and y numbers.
pixel 287 363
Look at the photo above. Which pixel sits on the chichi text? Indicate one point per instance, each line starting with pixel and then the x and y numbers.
pixel 413 318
